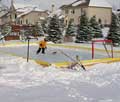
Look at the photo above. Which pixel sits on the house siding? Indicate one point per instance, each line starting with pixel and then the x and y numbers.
pixel 104 14
pixel 75 16
pixel 32 17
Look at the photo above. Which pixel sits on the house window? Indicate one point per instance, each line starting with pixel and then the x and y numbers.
pixel 66 22
pixel 26 21
pixel 21 21
pixel 73 11
pixel 15 16
pixel 83 11
pixel 66 11
pixel 18 21
pixel 72 20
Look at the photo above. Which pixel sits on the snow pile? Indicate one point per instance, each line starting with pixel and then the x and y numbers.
pixel 105 31
pixel 66 84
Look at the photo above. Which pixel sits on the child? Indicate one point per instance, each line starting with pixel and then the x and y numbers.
pixel 42 46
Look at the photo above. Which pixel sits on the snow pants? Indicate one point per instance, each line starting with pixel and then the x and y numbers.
pixel 39 50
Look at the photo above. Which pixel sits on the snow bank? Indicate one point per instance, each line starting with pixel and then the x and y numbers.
pixel 70 84
pixel 18 73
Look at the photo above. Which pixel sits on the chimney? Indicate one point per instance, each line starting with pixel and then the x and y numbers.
pixel 53 8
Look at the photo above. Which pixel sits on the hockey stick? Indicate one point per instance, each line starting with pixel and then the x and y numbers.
pixel 78 60
pixel 106 50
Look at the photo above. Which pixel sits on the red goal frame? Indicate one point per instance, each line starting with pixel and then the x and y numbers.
pixel 104 41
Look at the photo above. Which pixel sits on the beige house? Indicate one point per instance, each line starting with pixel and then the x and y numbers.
pixel 99 8
pixel 31 16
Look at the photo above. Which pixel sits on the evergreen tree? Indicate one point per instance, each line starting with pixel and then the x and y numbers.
pixel 70 31
pixel 114 33
pixel 83 32
pixel 44 26
pixel 96 29
pixel 6 29
pixel 37 30
pixel 62 25
pixel 29 31
pixel 54 32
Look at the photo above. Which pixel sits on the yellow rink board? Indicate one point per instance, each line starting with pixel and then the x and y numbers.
pixel 86 63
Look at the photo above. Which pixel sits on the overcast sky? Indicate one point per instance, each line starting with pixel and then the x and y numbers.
pixel 46 4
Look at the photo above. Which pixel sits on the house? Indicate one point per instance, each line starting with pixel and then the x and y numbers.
pixel 31 16
pixel 9 15
pixel 23 14
pixel 99 8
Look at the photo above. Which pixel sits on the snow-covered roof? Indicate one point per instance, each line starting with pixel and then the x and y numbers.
pixel 96 3
pixel 26 12
pixel 61 16
pixel 78 3
pixel 26 8
pixel 99 3
pixel 29 8
pixel 57 12
pixel 38 9
pixel 18 5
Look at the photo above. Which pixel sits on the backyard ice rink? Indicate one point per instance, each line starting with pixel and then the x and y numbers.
pixel 49 56
pixel 29 82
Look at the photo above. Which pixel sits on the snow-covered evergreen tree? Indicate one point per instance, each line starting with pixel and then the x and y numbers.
pixel 70 31
pixel 44 26
pixel 114 33
pixel 37 30
pixel 54 31
pixel 96 29
pixel 62 25
pixel 83 32
pixel 6 29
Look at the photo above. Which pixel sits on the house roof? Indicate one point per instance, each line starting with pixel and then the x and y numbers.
pixel 95 3
pixel 5 15
pixel 3 9
pixel 100 3
pixel 29 10
pixel 26 9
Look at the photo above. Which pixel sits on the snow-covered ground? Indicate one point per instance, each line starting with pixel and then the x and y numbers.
pixel 28 82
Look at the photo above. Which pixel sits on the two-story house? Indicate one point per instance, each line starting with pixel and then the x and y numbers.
pixel 31 16
pixel 99 8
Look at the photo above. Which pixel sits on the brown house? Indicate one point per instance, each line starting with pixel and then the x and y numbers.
pixel 99 8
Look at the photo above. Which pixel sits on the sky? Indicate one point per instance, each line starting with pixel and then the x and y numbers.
pixel 46 4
